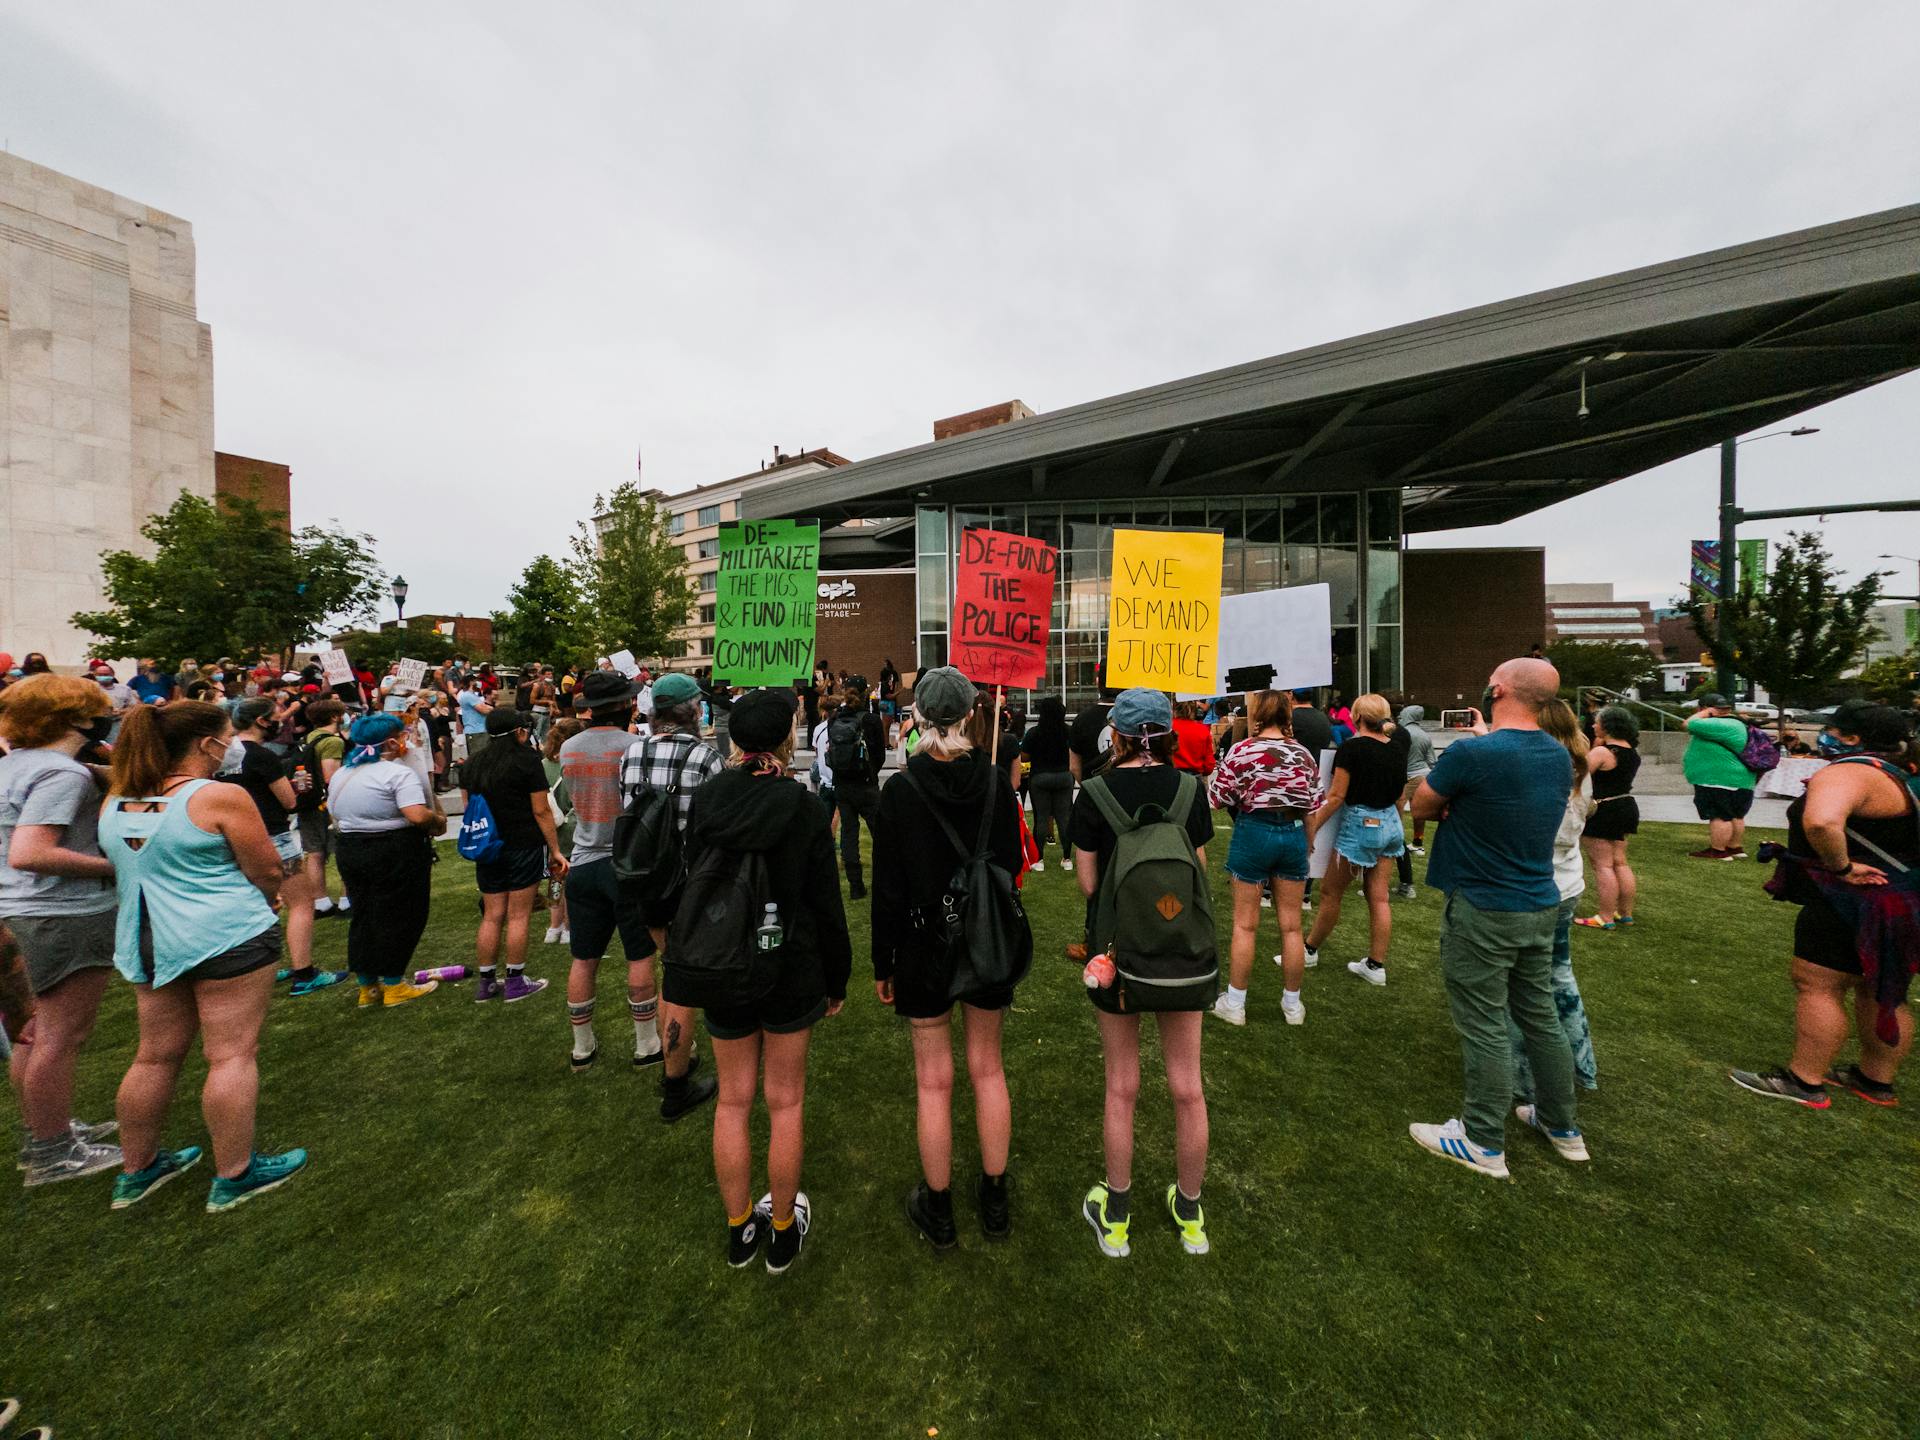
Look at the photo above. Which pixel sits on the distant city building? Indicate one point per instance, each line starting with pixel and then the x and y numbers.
pixel 106 392
pixel 1590 613
pixel 267 484
pixel 1896 629
pixel 472 635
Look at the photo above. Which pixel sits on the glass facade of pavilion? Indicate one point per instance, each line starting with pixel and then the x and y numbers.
pixel 1350 540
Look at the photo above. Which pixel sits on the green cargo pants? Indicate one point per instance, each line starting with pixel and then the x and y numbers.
pixel 1500 963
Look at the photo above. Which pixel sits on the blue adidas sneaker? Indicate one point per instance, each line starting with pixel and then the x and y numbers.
pixel 1449 1142
pixel 263 1173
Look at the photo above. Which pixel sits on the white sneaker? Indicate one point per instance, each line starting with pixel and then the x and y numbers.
pixel 566 935
pixel 1449 1142
pixel 553 934
pixel 1294 1012
pixel 1232 1014
pixel 1570 1144
pixel 1366 969
pixel 323 906
pixel 1266 902
pixel 1313 958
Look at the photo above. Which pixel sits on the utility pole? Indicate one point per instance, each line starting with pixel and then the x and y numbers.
pixel 1729 561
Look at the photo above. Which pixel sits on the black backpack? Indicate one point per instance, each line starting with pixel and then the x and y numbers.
pixel 979 930
pixel 712 947
pixel 847 749
pixel 314 797
pixel 649 861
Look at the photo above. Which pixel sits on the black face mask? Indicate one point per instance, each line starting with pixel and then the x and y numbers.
pixel 97 730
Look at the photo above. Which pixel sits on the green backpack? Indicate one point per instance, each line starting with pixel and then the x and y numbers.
pixel 1154 911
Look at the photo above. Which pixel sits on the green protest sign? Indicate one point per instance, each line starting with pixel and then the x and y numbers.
pixel 764 602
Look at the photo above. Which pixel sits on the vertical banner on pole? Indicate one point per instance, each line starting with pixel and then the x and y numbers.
pixel 1002 606
pixel 1163 618
pixel 764 602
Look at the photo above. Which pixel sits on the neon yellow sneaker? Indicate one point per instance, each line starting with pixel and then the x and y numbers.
pixel 1112 1233
pixel 391 994
pixel 1193 1233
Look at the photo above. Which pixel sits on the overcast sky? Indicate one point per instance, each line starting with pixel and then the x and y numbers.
pixel 463 260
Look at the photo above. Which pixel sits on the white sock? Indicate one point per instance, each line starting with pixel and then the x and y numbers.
pixel 1290 998
pixel 1236 998
pixel 646 1034
pixel 580 1014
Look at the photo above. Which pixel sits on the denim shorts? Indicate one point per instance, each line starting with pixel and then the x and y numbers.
pixel 1367 836
pixel 1263 848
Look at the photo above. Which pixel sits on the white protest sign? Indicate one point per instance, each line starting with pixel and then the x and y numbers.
pixel 1289 629
pixel 336 667
pixel 411 675
pixel 1322 855
pixel 624 662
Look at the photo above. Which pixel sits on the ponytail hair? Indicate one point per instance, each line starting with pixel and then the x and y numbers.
pixel 155 738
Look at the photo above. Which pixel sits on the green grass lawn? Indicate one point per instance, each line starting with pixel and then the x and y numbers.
pixel 486 1245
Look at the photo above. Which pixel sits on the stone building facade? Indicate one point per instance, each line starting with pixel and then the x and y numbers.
pixel 106 392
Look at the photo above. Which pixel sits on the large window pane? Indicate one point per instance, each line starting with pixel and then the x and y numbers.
pixel 1383 659
pixel 1346 661
pixel 1261 568
pixel 1299 519
pixel 1228 518
pixel 936 599
pixel 1383 516
pixel 1383 585
pixel 1339 519
pixel 1043 523
pixel 1340 568
pixel 933 651
pixel 930 525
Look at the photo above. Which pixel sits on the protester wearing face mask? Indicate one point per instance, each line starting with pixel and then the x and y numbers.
pixel 385 819
pixel 57 899
pixel 196 936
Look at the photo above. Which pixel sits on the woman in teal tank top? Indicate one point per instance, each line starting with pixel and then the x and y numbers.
pixel 197 936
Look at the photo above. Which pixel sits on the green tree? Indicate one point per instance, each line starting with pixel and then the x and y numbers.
pixel 225 579
pixel 1892 679
pixel 634 582
pixel 1610 664
pixel 375 650
pixel 542 623
pixel 1798 635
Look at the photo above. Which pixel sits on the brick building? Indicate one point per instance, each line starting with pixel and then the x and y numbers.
pixel 265 482
pixel 1465 611
pixel 1590 613
pixel 472 635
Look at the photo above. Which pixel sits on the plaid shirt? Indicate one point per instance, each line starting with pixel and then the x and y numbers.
pixel 661 761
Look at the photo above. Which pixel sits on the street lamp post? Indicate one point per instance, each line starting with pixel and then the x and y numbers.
pixel 1730 542
pixel 400 597
pixel 1911 560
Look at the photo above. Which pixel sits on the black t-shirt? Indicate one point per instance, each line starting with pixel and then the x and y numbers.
pixel 1376 769
pixel 1085 739
pixel 1312 729
pixel 1134 787
pixel 513 776
pixel 257 772
pixel 1047 750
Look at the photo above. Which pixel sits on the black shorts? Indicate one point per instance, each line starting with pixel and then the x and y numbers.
pixel 243 959
pixel 1821 937
pixel 777 1014
pixel 924 1001
pixel 1721 802
pixel 596 909
pixel 517 867
pixel 1613 820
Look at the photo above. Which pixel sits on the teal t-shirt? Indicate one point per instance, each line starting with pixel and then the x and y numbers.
pixel 1506 794
pixel 1714 743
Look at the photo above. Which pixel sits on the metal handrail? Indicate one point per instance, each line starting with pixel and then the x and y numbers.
pixel 1662 716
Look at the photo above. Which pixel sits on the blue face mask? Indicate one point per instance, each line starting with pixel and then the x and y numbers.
pixel 1832 746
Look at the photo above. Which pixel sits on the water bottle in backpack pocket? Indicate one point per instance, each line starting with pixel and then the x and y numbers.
pixel 718 949
pixel 1154 910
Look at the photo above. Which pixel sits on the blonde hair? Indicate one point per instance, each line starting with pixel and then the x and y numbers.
pixel 781 754
pixel 40 710
pixel 950 741
pixel 1371 712
pixel 1557 719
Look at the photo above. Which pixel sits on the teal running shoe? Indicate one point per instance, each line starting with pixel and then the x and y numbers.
pixel 282 975
pixel 132 1189
pixel 320 981
pixel 264 1173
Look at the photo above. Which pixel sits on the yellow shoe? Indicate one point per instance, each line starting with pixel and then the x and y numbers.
pixel 403 992
pixel 369 995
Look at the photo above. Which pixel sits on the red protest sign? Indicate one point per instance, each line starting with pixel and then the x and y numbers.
pixel 1002 606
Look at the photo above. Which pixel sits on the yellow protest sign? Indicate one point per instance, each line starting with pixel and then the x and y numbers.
pixel 1163 617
